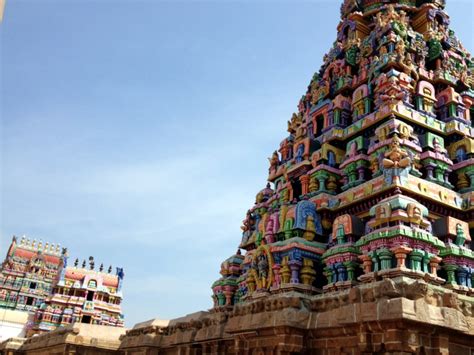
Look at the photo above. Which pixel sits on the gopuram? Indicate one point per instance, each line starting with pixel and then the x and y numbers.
pixel 360 243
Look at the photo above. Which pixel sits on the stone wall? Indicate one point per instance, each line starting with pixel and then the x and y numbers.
pixel 391 316
pixel 400 316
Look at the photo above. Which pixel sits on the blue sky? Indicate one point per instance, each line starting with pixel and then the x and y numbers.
pixel 138 131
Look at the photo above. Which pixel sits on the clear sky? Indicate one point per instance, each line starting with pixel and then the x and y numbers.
pixel 138 131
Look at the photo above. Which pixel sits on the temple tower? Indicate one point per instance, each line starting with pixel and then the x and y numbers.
pixel 375 177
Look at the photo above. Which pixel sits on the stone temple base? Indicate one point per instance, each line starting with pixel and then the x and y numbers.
pixel 392 316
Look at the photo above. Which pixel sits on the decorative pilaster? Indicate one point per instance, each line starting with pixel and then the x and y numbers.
pixel 450 272
pixel 416 256
pixel 401 252
pixel 304 184
pixel 350 267
pixel 295 266
pixel 385 259
pixel 434 264
pixel 366 263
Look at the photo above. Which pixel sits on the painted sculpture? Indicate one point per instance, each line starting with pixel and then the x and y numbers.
pixel 376 175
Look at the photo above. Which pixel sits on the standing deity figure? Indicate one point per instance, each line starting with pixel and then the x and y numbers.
pixel 299 153
pixel 460 237
pixel 396 157
pixel 262 266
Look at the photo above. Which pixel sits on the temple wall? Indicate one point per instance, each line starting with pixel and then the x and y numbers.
pixel 391 316
pixel 13 323
pixel 399 316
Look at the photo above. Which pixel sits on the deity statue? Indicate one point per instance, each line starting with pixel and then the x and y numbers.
pixel 262 267
pixel 299 153
pixel 409 67
pixel 269 237
pixel 374 165
pixel 314 159
pixel 460 237
pixel 274 161
pixel 396 157
pixel 295 123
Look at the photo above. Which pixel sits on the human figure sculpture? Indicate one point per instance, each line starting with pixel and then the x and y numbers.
pixel 274 161
pixel 262 266
pixel 460 237
pixel 331 159
pixel 461 154
pixel 409 67
pixel 396 157
pixel 314 159
pixel 269 238
pixel 299 153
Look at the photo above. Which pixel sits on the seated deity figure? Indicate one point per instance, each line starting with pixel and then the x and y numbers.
pixel 396 157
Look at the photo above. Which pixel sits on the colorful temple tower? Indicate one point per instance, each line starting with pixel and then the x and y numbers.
pixel 360 242
pixel 82 295
pixel 375 177
pixel 27 273
pixel 35 279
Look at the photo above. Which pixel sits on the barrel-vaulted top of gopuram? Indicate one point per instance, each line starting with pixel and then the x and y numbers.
pixel 366 6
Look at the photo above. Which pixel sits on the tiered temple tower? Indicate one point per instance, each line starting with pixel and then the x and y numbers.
pixel 360 243
pixel 82 295
pixel 375 178
pixel 27 273
pixel 35 278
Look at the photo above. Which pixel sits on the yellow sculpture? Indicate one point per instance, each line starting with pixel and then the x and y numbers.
pixel 396 157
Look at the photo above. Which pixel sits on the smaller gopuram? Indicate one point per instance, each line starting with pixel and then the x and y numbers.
pixel 82 295
pixel 28 272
